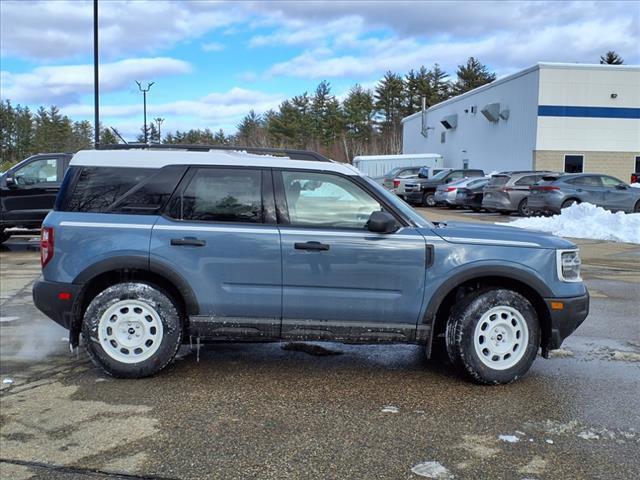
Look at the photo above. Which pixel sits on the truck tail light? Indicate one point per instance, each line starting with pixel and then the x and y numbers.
pixel 450 189
pixel 46 245
pixel 396 183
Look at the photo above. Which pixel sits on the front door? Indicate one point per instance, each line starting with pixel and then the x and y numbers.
pixel 337 274
pixel 219 235
pixel 33 190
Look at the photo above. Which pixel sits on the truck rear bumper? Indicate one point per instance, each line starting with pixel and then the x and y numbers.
pixel 56 300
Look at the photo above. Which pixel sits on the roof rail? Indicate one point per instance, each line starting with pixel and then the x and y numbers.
pixel 293 154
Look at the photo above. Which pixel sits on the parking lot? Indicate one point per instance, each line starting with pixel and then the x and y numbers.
pixel 270 411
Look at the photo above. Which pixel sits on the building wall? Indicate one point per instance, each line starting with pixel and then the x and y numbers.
pixel 505 145
pixel 616 164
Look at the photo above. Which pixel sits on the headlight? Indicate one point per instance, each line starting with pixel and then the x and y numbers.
pixel 568 262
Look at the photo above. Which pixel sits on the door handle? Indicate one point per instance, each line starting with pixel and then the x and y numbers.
pixel 313 246
pixel 188 241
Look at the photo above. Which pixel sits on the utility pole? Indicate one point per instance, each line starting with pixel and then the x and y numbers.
pixel 96 102
pixel 144 100
pixel 159 121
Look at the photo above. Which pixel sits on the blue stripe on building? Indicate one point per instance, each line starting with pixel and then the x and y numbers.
pixel 587 112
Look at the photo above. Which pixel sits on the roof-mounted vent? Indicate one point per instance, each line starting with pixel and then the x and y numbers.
pixel 491 112
pixel 504 114
pixel 450 122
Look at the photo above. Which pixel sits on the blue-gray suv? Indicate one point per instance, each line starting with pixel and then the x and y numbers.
pixel 148 248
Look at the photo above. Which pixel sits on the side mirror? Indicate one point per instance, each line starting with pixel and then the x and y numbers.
pixel 382 222
pixel 10 181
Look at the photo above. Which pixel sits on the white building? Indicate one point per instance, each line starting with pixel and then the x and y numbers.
pixel 561 117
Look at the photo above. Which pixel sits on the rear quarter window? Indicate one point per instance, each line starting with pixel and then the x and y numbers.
pixel 498 180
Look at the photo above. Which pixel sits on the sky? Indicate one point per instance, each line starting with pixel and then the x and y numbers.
pixel 213 61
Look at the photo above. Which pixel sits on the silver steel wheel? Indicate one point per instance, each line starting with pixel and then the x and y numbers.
pixel 130 331
pixel 501 337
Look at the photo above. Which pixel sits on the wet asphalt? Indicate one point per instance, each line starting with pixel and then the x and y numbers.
pixel 261 411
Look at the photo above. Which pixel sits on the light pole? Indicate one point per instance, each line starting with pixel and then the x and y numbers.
pixel 144 100
pixel 96 102
pixel 159 121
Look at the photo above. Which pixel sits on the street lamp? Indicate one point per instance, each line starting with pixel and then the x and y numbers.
pixel 144 100
pixel 159 121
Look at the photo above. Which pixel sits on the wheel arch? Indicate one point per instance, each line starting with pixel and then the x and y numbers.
pixel 130 268
pixel 531 287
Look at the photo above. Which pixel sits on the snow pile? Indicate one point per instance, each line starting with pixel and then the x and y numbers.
pixel 585 220
pixel 635 185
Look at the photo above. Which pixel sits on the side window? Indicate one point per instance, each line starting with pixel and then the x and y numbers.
pixel 455 176
pixel 586 181
pixel 610 182
pixel 637 164
pixel 573 163
pixel 527 181
pixel 38 171
pixel 221 195
pixel 325 200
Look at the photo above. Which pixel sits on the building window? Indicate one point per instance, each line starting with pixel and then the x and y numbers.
pixel 443 137
pixel 573 163
pixel 637 165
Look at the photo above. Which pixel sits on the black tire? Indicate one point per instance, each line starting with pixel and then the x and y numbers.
pixel 461 329
pixel 568 203
pixel 151 297
pixel 523 208
pixel 4 235
pixel 428 200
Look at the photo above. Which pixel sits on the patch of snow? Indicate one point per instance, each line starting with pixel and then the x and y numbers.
pixel 390 409
pixel 625 356
pixel 509 438
pixel 432 470
pixel 8 319
pixel 585 220
pixel 561 352
pixel 635 185
pixel 588 435
pixel 7 381
pixel 549 441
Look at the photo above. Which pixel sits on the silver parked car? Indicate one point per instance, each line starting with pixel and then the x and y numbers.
pixel 557 192
pixel 446 193
pixel 387 179
pixel 508 192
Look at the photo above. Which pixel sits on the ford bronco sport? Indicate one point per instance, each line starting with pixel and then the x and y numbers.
pixel 149 247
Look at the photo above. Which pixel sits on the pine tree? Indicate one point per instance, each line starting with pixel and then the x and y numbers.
pixel 611 58
pixel 440 86
pixel 358 111
pixel 107 137
pixel 472 75
pixel 389 103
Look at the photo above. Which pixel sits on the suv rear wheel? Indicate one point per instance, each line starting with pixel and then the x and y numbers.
pixel 4 235
pixel 493 335
pixel 132 330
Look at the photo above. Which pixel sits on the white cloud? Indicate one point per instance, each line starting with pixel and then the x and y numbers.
pixel 212 47
pixel 215 110
pixel 65 84
pixel 46 30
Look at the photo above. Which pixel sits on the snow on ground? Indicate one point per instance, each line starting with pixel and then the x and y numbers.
pixel 635 185
pixel 585 220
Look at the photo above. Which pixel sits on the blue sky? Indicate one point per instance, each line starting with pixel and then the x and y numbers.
pixel 214 61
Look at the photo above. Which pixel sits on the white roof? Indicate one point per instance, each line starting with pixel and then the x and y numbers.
pixel 160 158
pixel 397 157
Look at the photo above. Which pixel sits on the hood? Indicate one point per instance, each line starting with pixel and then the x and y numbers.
pixel 498 235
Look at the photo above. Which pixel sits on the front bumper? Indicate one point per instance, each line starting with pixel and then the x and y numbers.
pixel 565 321
pixel 48 299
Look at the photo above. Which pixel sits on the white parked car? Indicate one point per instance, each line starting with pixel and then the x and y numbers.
pixel 446 193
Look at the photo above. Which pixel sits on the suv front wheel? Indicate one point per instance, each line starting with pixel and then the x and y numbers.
pixel 493 335
pixel 132 330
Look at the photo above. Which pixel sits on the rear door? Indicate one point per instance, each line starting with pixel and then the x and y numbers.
pixel 219 234
pixel 334 269
pixel 589 189
pixel 33 191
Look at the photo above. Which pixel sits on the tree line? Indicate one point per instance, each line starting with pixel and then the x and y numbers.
pixel 365 121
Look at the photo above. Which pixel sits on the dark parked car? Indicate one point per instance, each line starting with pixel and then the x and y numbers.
pixel 508 192
pixel 635 177
pixel 557 192
pixel 422 191
pixel 471 195
pixel 28 190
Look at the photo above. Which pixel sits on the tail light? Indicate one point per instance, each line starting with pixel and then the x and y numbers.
pixel 396 183
pixel 450 189
pixel 507 189
pixel 635 178
pixel 545 188
pixel 46 245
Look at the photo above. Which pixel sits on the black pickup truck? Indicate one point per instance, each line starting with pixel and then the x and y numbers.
pixel 421 191
pixel 28 190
